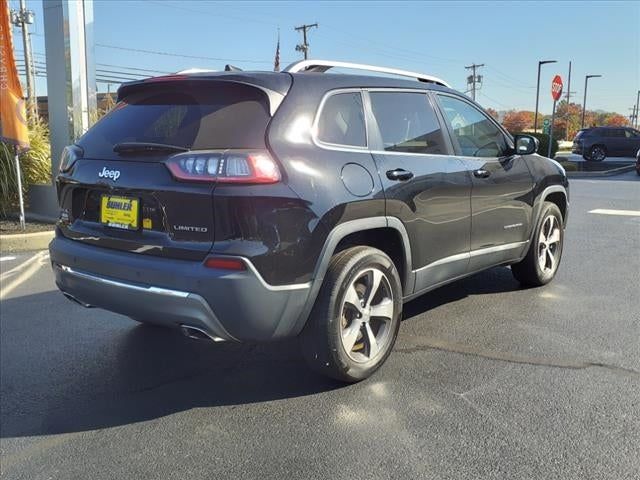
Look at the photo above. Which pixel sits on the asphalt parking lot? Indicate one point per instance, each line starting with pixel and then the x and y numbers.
pixel 487 380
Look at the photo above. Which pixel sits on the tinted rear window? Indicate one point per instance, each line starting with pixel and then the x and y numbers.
pixel 615 133
pixel 197 116
pixel 407 123
pixel 581 133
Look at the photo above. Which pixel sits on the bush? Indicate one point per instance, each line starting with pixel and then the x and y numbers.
pixel 35 165
pixel 543 138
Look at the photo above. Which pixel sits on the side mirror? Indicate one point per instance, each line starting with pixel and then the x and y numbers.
pixel 526 144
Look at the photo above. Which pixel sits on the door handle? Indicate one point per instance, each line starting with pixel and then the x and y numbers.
pixel 481 173
pixel 399 174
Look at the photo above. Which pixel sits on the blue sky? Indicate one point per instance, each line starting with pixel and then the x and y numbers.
pixel 439 38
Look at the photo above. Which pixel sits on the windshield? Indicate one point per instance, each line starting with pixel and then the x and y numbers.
pixel 199 116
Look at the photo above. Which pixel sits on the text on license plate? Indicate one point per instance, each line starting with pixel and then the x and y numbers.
pixel 120 212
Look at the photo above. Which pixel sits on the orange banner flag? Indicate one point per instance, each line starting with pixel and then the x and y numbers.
pixel 13 117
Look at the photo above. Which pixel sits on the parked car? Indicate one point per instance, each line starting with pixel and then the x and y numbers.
pixel 254 206
pixel 638 162
pixel 598 143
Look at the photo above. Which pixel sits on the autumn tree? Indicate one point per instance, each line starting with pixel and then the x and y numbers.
pixel 493 113
pixel 518 120
pixel 613 120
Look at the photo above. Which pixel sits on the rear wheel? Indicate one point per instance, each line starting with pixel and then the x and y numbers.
pixel 354 323
pixel 597 153
pixel 543 258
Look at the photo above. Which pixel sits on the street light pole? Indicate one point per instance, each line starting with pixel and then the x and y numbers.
pixel 584 102
pixel 637 109
pixel 535 118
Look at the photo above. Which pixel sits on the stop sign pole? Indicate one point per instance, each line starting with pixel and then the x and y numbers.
pixel 556 92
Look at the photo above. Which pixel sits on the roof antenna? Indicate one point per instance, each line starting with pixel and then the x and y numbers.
pixel 231 68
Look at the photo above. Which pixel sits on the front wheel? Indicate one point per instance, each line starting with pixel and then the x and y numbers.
pixel 543 258
pixel 354 322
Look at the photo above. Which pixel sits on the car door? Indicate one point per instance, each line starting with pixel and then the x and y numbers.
pixel 424 186
pixel 615 141
pixel 502 185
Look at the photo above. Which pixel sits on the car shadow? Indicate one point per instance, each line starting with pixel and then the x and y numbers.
pixel 67 369
pixel 88 369
pixel 495 280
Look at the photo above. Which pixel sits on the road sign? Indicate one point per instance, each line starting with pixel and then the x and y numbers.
pixel 546 122
pixel 556 87
pixel 556 92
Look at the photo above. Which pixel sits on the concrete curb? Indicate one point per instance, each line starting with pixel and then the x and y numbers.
pixel 23 242
pixel 607 173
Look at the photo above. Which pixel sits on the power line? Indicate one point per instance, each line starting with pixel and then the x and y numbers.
pixel 105 65
pixel 508 86
pixel 171 54
pixel 132 68
pixel 242 19
pixel 377 52
pixel 99 71
pixel 494 100
pixel 392 49
pixel 509 78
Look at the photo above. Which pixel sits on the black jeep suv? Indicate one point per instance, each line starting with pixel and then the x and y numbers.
pixel 253 206
pixel 598 143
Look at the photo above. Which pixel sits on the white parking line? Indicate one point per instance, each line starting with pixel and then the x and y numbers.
pixel 626 213
pixel 6 259
pixel 17 275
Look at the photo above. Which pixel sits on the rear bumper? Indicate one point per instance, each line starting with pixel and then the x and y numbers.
pixel 224 305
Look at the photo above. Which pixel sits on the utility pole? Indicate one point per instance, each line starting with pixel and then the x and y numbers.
pixel 566 120
pixel 22 18
pixel 535 117
pixel 633 116
pixel 569 85
pixel 637 109
pixel 474 79
pixel 304 46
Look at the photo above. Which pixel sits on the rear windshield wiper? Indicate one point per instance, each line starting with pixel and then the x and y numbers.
pixel 147 147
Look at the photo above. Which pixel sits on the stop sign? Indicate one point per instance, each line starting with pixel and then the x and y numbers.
pixel 556 87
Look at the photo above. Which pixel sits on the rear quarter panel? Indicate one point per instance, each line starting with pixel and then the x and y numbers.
pixel 315 173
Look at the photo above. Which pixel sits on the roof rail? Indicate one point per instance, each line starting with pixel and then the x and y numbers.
pixel 322 66
pixel 193 70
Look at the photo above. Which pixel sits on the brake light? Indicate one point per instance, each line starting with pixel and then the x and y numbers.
pixel 70 154
pixel 233 166
pixel 225 263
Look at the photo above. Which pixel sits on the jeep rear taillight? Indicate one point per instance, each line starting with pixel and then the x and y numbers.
pixel 231 166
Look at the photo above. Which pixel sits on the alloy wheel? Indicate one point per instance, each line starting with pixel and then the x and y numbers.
pixel 549 245
pixel 366 315
pixel 598 154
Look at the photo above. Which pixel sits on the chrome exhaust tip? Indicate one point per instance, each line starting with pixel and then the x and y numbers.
pixel 196 333
pixel 75 300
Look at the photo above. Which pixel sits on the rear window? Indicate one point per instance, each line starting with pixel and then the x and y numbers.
pixel 581 133
pixel 407 123
pixel 196 116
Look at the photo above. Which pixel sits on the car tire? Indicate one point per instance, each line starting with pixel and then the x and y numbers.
pixel 597 153
pixel 541 263
pixel 355 319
